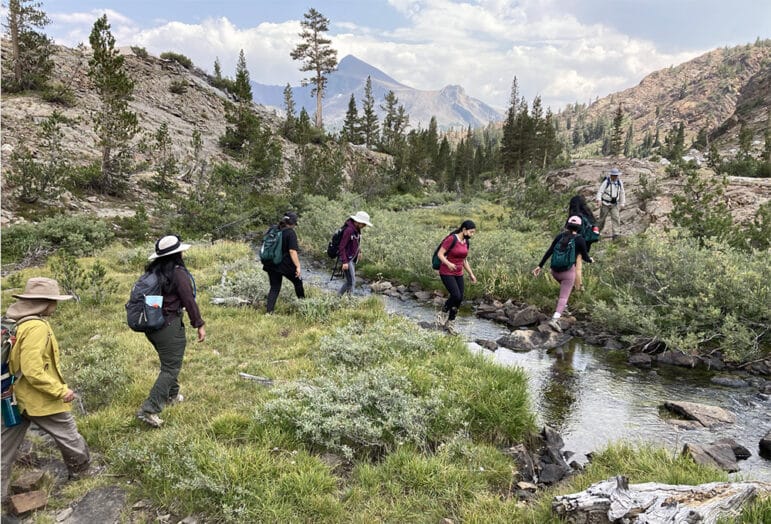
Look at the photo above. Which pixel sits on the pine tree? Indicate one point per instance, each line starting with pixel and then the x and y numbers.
pixel 629 141
pixel 317 55
pixel 395 122
pixel 370 128
pixel 36 175
pixel 351 131
pixel 290 120
pixel 31 50
pixel 166 166
pixel 242 86
pixel 617 134
pixel 115 125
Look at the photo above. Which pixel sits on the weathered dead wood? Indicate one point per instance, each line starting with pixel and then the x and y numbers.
pixel 615 500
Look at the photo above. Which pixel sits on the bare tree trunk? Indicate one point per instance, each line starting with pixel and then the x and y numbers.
pixel 615 500
pixel 318 108
pixel 14 15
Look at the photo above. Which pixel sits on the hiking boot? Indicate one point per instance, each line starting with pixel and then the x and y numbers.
pixel 175 400
pixel 555 325
pixel 151 419
pixel 442 318
pixel 450 326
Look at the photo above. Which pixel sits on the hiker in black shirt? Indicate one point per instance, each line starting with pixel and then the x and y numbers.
pixel 565 277
pixel 289 267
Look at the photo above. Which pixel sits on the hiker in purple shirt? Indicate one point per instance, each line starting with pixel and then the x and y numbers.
pixel 349 249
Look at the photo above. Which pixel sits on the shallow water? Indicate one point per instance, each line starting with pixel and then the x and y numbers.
pixel 592 398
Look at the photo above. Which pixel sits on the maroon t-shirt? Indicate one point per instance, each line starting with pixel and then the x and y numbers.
pixel 456 255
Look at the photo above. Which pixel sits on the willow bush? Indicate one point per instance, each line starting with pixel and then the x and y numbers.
pixel 667 288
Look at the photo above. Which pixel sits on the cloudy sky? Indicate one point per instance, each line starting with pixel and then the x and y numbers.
pixel 563 50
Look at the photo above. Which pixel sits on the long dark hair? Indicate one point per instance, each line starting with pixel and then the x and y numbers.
pixel 578 207
pixel 163 267
pixel 466 224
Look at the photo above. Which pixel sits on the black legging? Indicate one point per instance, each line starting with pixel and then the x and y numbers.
pixel 454 285
pixel 275 279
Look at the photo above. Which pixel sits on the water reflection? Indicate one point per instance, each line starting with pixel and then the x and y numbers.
pixel 559 391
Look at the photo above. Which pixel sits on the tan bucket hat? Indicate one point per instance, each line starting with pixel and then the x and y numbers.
pixel 42 288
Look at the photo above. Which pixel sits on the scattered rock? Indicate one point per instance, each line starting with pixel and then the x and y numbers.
pixel 641 360
pixel 28 481
pixel 717 455
pixel 487 344
pixel 100 505
pixel 740 452
pixel 765 446
pixel 729 381
pixel 31 500
pixel 676 358
pixel 706 415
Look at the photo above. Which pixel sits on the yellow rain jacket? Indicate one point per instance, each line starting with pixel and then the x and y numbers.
pixel 41 387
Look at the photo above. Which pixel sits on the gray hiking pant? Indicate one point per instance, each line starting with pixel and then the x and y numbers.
pixel 169 342
pixel 62 429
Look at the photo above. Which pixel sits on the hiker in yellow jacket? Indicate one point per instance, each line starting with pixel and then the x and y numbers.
pixel 42 395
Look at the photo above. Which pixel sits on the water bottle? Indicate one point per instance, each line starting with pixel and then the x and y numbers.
pixel 11 415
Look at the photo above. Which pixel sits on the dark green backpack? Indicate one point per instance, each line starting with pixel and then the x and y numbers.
pixel 435 262
pixel 589 231
pixel 563 256
pixel 271 251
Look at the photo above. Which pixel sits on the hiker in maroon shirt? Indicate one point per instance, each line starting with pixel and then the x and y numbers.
pixel 452 255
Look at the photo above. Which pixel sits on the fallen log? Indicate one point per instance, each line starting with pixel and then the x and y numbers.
pixel 615 500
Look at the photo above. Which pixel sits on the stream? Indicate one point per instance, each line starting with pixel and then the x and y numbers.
pixel 593 399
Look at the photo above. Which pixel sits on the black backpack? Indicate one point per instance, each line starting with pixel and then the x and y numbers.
pixel 333 248
pixel 435 262
pixel 144 309
pixel 563 257
pixel 272 244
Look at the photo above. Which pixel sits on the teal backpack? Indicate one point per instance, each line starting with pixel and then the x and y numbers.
pixel 563 257
pixel 588 230
pixel 271 252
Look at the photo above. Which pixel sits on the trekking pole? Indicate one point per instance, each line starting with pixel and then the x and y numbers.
pixel 334 269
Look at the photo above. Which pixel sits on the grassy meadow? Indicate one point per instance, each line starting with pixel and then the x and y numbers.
pixel 369 419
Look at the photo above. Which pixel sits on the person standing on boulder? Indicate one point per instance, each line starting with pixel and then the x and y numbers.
pixel 350 251
pixel 41 394
pixel 289 267
pixel 452 254
pixel 565 275
pixel 611 198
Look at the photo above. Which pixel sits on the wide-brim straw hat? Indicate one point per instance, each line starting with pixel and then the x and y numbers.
pixel 42 288
pixel 168 245
pixel 362 217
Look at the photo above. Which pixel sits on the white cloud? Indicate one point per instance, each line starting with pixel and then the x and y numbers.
pixel 480 45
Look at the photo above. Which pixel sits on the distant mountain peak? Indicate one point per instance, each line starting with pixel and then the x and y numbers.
pixel 351 66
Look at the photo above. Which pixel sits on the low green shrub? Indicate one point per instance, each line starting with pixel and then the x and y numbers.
pixel 178 58
pixel 141 52
pixel 98 372
pixel 178 87
pixel 355 413
pixel 357 345
pixel 72 234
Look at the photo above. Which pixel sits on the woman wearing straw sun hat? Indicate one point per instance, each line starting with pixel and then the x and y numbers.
pixel 178 290
pixel 42 395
